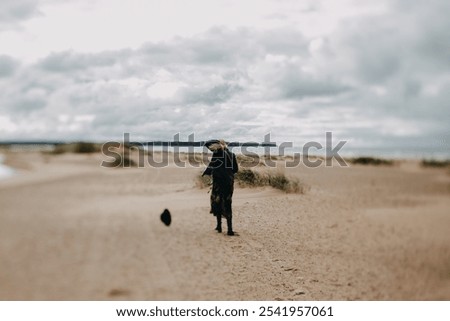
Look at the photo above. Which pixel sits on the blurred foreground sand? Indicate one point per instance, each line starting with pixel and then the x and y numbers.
pixel 71 230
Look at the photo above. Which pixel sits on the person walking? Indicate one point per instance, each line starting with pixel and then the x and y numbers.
pixel 222 167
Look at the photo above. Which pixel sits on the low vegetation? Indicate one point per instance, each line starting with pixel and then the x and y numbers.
pixel 85 148
pixel 203 181
pixel 78 148
pixel 248 161
pixel 371 161
pixel 253 178
pixel 435 163
pixel 197 158
pixel 282 182
pixel 120 162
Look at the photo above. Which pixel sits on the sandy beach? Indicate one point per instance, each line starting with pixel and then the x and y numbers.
pixel 72 230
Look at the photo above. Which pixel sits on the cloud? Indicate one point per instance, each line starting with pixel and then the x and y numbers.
pixel 380 47
pixel 68 61
pixel 30 100
pixel 8 66
pixel 15 11
pixel 210 96
pixel 395 66
pixel 296 84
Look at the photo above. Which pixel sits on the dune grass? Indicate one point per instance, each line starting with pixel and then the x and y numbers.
pixel 85 148
pixel 435 163
pixel 203 181
pixel 371 161
pixel 252 178
pixel 248 161
pixel 77 147
pixel 121 162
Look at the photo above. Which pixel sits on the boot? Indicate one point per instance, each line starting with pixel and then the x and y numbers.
pixel 219 223
pixel 230 225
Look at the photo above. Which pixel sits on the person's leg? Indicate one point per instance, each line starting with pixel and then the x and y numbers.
pixel 219 223
pixel 229 211
pixel 230 225
pixel 216 208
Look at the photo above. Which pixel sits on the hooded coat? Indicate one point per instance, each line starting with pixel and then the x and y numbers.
pixel 222 168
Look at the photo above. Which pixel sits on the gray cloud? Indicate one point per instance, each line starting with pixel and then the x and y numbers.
pixel 397 67
pixel 410 39
pixel 8 66
pixel 70 61
pixel 210 96
pixel 15 11
pixel 295 84
pixel 283 41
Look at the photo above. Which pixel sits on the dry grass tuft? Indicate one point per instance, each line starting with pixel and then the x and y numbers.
pixel 371 161
pixel 78 148
pixel 435 163
pixel 252 178
pixel 120 162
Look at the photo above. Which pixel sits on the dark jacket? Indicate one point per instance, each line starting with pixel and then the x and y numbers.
pixel 223 165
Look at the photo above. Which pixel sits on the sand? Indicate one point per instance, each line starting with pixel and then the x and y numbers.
pixel 72 230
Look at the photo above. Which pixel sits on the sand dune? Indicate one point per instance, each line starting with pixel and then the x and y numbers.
pixel 71 230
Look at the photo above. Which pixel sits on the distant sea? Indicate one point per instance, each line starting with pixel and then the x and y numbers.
pixel 398 152
pixel 5 171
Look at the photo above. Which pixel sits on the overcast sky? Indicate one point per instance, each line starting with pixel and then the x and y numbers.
pixel 372 72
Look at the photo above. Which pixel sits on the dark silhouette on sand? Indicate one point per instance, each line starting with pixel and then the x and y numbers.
pixel 222 168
